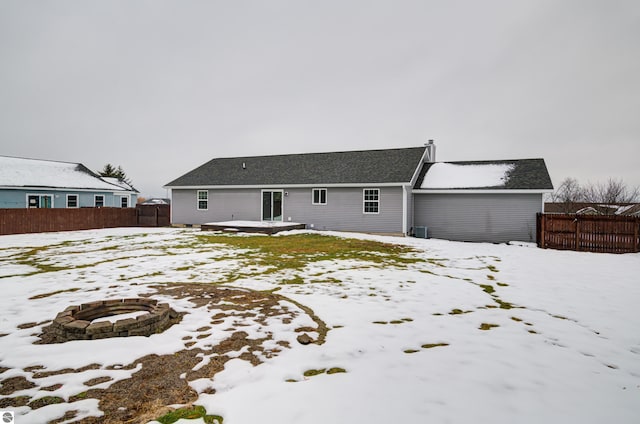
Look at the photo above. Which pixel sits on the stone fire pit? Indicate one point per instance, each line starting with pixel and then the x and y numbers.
pixel 75 322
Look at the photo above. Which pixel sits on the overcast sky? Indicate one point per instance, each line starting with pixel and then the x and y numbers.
pixel 160 87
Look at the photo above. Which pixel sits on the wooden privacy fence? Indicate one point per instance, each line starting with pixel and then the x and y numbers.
pixel 21 221
pixel 590 233
pixel 154 215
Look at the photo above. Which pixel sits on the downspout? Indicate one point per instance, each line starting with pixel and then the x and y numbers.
pixel 405 209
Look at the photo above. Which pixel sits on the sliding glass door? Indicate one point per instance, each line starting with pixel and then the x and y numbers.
pixel 272 205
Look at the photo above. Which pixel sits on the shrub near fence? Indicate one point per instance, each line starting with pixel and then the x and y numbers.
pixel 591 233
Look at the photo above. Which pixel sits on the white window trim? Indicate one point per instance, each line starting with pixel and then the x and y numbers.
pixel 95 200
pixel 77 201
pixel 364 190
pixel 326 196
pixel 262 204
pixel 40 195
pixel 120 203
pixel 198 200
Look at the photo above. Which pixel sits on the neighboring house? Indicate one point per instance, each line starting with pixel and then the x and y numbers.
pixel 33 183
pixel 378 191
pixel 156 201
pixel 582 208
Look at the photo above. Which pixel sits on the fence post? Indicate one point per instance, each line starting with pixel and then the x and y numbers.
pixel 636 240
pixel 577 234
pixel 542 220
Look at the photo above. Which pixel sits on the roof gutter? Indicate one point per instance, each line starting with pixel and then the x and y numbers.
pixel 482 191
pixel 228 187
pixel 110 190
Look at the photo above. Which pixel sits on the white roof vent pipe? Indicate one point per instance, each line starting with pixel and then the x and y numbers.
pixel 431 152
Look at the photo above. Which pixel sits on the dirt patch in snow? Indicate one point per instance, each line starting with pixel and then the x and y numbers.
pixel 164 379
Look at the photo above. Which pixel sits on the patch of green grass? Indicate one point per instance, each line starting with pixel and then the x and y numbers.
pixel 457 311
pixel 503 284
pixel 328 280
pixel 487 288
pixel 432 345
pixel 486 326
pixel 44 401
pixel 516 319
pixel 42 296
pixel 336 370
pixel 381 322
pixel 311 373
pixel 490 277
pixel 295 280
pixel 192 413
pixel 492 268
pixel 396 321
pixel 411 351
pixel 503 304
pixel 296 251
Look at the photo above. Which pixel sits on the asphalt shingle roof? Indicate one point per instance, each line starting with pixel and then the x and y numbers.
pixel 527 174
pixel 354 167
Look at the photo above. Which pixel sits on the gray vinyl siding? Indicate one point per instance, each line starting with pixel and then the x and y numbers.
pixel 223 205
pixel 478 217
pixel 343 211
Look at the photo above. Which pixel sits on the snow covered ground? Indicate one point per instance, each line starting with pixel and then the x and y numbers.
pixel 469 333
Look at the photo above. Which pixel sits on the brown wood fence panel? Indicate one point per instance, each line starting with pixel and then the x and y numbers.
pixel 590 233
pixel 21 221
pixel 154 215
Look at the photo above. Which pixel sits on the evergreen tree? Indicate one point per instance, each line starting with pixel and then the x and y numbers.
pixel 110 171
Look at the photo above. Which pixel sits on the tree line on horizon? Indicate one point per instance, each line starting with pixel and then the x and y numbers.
pixel 614 191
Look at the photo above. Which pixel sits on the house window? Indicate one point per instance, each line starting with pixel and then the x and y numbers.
pixel 39 201
pixel 203 200
pixel 98 201
pixel 371 200
pixel 319 196
pixel 72 200
pixel 124 202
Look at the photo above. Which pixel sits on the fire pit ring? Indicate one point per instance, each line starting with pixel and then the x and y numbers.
pixel 75 322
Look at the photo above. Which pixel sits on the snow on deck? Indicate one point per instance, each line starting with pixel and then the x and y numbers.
pixel 252 224
pixel 444 175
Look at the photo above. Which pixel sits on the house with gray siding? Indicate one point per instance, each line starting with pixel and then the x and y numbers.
pixel 376 191
pixel 34 183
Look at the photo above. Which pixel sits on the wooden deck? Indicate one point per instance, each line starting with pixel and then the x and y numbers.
pixel 247 228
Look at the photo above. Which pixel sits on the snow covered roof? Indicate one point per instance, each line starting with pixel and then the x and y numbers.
pixel 119 183
pixel 21 172
pixel 517 174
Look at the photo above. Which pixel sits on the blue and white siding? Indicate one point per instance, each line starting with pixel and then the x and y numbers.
pixel 18 198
